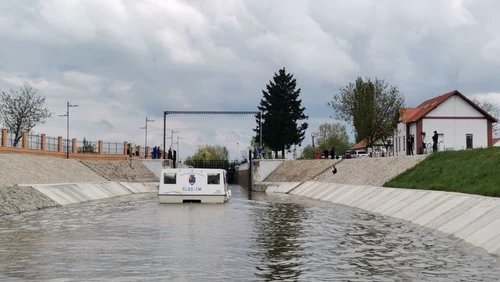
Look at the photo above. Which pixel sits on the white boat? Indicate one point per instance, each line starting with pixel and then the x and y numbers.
pixel 193 185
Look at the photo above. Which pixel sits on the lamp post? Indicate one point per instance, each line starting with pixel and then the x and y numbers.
pixel 178 155
pixel 68 105
pixel 145 127
pixel 312 136
pixel 172 138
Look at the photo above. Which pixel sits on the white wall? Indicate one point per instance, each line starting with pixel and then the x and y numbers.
pixel 267 166
pixel 454 132
pixel 454 106
pixel 400 140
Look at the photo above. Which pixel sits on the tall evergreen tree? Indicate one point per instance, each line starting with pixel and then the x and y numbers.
pixel 283 118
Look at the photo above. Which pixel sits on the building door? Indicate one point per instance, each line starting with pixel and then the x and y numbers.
pixel 468 141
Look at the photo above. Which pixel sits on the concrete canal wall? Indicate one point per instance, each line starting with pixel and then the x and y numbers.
pixel 34 182
pixel 362 171
pixel 23 198
pixel 475 219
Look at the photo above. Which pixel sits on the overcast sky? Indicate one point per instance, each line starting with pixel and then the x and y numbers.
pixel 123 60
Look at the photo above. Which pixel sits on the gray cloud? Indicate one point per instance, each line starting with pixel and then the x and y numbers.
pixel 122 60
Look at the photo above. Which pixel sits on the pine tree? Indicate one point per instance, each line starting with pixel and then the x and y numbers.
pixel 282 111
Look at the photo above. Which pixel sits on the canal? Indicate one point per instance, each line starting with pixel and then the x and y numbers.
pixel 265 238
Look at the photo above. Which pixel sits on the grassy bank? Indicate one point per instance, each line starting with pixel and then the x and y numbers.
pixel 468 171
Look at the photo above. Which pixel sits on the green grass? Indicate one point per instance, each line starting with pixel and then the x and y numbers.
pixel 468 171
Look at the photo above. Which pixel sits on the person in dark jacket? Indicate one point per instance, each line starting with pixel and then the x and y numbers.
pixel 435 142
pixel 332 153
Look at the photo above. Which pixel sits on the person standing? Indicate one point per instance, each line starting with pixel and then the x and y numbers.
pixel 435 141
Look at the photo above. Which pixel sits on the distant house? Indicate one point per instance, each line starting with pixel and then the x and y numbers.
pixel 377 146
pixel 459 122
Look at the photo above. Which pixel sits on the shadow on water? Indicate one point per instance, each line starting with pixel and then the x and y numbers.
pixel 277 232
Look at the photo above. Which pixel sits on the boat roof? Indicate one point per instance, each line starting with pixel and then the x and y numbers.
pixel 194 169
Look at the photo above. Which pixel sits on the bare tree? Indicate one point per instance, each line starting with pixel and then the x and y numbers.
pixel 22 110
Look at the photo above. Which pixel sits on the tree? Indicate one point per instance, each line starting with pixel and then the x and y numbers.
pixel 328 136
pixel 22 110
pixel 371 107
pixel 210 152
pixel 282 113
pixel 492 109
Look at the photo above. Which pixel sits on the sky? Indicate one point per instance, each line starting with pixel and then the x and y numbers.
pixel 121 61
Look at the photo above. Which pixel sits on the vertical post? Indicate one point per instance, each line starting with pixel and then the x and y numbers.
pixel 260 129
pixel 164 134
pixel 67 130
pixel 250 171
pixel 146 135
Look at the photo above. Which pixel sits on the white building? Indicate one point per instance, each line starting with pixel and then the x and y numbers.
pixel 459 122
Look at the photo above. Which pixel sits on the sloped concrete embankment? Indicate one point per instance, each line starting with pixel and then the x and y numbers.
pixel 474 219
pixel 122 170
pixel 22 198
pixel 20 176
pixel 17 169
pixel 300 170
pixel 369 171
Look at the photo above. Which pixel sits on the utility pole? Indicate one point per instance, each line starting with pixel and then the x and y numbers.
pixel 68 105
pixel 145 127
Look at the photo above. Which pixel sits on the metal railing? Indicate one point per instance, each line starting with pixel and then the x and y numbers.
pixel 69 144
pixel 34 141
pixel 111 148
pixel 11 141
pixel 51 144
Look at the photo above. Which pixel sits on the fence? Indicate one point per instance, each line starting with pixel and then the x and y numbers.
pixel 87 147
pixel 110 148
pixel 51 144
pixel 40 144
pixel 67 145
pixel 11 140
pixel 34 141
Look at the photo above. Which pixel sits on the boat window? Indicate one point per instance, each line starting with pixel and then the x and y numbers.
pixel 213 178
pixel 170 178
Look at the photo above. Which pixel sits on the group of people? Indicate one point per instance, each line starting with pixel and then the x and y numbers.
pixel 156 152
pixel 411 141
pixel 326 153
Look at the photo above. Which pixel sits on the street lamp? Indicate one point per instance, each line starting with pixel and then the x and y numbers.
pixel 68 105
pixel 172 138
pixel 178 156
pixel 146 134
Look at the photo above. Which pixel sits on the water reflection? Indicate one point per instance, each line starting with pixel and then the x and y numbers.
pixel 268 238
pixel 277 236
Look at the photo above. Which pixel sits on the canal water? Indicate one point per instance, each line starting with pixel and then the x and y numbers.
pixel 257 238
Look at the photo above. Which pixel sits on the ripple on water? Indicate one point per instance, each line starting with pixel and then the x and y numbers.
pixel 267 238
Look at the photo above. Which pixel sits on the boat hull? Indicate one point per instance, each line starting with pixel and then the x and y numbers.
pixel 204 199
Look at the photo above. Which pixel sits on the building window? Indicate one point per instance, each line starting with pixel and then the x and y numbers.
pixel 404 142
pixel 399 143
pixel 468 141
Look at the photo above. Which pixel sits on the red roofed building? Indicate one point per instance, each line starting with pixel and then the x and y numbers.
pixel 496 142
pixel 459 122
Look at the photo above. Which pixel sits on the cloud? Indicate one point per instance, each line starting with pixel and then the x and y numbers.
pixel 123 60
